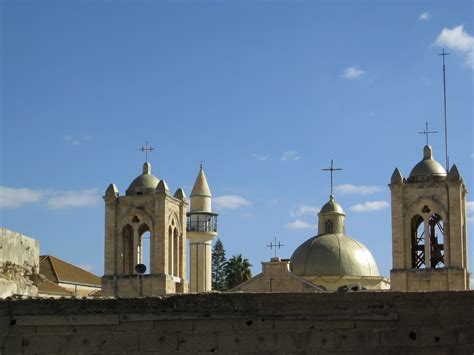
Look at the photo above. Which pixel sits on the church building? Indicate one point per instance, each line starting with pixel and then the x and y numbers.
pixel 149 211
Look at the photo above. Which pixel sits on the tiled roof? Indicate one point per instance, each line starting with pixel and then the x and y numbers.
pixel 47 287
pixel 57 270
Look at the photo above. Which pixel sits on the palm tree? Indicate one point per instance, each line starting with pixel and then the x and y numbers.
pixel 237 270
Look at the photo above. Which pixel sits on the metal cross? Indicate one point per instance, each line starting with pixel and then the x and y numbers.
pixel 147 149
pixel 427 132
pixel 444 54
pixel 275 246
pixel 331 169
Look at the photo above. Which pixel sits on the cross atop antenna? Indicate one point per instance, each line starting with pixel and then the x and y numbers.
pixel 427 132
pixel 332 169
pixel 275 246
pixel 147 149
pixel 444 54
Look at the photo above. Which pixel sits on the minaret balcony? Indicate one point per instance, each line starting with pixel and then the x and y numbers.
pixel 201 222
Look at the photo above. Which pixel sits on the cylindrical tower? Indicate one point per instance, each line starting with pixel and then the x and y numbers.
pixel 201 229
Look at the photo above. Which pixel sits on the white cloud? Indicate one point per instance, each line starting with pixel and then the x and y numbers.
pixel 470 211
pixel 348 189
pixel 73 199
pixel 424 16
pixel 260 157
pixel 11 197
pixel 458 40
pixel 290 155
pixel 299 224
pixel 470 206
pixel 352 72
pixel 370 206
pixel 74 140
pixel 231 202
pixel 304 210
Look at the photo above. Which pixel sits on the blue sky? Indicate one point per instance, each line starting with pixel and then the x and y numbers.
pixel 265 93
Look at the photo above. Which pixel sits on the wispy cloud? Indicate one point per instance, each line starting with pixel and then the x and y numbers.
pixel 470 211
pixel 11 197
pixel 290 155
pixel 348 189
pixel 352 72
pixel 69 139
pixel 304 210
pixel 17 197
pixel 72 199
pixel 458 40
pixel 424 16
pixel 470 206
pixel 260 157
pixel 370 206
pixel 230 202
pixel 299 224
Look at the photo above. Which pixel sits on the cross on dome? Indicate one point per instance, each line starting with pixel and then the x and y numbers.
pixel 427 132
pixel 332 169
pixel 147 149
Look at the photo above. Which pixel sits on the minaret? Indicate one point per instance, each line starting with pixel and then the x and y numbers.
pixel 201 230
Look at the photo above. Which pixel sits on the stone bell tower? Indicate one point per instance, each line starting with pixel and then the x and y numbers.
pixel 202 229
pixel 144 227
pixel 429 228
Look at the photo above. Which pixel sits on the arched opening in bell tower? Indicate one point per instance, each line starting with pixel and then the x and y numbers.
pixel 417 243
pixel 436 241
pixel 144 247
pixel 127 250
pixel 176 253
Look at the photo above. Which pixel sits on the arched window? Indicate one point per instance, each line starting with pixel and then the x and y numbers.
pixel 127 250
pixel 170 251
pixel 329 226
pixel 436 241
pixel 143 250
pixel 176 253
pixel 417 243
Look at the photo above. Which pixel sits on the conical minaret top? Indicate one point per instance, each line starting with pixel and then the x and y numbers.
pixel 201 194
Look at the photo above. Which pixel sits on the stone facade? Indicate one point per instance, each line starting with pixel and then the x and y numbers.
pixel 276 277
pixel 429 231
pixel 19 264
pixel 146 207
pixel 242 323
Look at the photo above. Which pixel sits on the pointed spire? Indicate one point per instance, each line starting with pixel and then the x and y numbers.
pixel 180 195
pixel 201 188
pixel 162 187
pixel 397 177
pixel 111 191
pixel 454 174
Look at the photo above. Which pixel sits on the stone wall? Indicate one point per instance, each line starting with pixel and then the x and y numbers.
pixel 19 263
pixel 358 322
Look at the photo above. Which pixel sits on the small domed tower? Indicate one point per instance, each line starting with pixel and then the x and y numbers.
pixel 146 227
pixel 201 230
pixel 332 259
pixel 429 232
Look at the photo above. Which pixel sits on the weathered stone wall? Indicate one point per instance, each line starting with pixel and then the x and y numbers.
pixel 359 322
pixel 19 262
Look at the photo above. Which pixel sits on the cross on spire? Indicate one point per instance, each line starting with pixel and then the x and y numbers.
pixel 332 169
pixel 147 149
pixel 427 132
pixel 275 245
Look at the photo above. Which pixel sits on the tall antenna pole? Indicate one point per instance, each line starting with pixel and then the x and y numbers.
pixel 444 54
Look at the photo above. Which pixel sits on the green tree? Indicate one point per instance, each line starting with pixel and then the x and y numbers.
pixel 218 266
pixel 237 270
